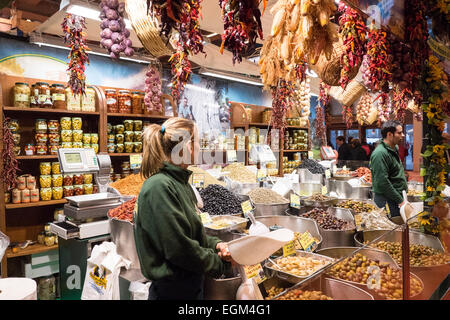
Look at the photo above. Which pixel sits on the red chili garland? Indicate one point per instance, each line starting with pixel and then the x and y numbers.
pixel 182 16
pixel 353 32
pixel 72 26
pixel 376 64
pixel 384 108
pixel 280 105
pixel 10 164
pixel 301 72
pixel 324 100
pixel 242 25
pixel 347 114
pixel 401 99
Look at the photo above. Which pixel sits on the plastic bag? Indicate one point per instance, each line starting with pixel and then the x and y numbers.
pixel 139 290
pixel 4 243
pixel 102 273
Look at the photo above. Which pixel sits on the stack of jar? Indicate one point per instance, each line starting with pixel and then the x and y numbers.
pixel 56 96
pixel 125 171
pixel 297 140
pixel 51 181
pixel 78 184
pixel 289 166
pixel 73 137
pixel 239 141
pixel 14 128
pixel 126 137
pixel 25 191
pixel 124 101
pixel 47 237
pixel 299 122
pixel 267 115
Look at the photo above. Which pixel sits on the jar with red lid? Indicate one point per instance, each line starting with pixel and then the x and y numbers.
pixel 41 149
pixel 29 149
pixel 111 101
pixel 124 98
pixel 136 102
pixel 78 190
pixel 34 195
pixel 78 179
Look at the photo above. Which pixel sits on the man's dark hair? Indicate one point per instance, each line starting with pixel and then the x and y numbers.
pixel 340 138
pixel 350 140
pixel 389 126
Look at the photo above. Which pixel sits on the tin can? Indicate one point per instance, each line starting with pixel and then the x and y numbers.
pixel 34 195
pixel 25 196
pixel 21 183
pixel 31 183
pixel 16 196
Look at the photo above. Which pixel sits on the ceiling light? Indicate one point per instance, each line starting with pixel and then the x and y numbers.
pixel 212 35
pixel 90 13
pixel 311 73
pixel 229 77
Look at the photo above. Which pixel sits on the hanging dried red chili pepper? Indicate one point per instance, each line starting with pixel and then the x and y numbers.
pixel 281 96
pixel 376 66
pixel 384 107
pixel 324 100
pixel 347 114
pixel 400 101
pixel 10 164
pixel 73 26
pixel 242 25
pixel 183 17
pixel 353 32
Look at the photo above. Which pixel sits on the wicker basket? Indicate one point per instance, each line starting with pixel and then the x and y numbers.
pixel 348 96
pixel 330 70
pixel 147 29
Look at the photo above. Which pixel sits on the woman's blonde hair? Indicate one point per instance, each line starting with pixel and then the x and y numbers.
pixel 159 142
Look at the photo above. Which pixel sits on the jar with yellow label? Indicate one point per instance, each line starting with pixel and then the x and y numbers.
pixel 45 181
pixel 77 135
pixel 77 123
pixel 88 188
pixel 55 168
pixel 66 135
pixel 86 138
pixel 94 138
pixel 21 93
pixel 46 194
pixel 57 180
pixel 95 147
pixel 65 123
pixel 57 193
pixel 88 100
pixel 45 168
pixel 73 101
pixel 58 96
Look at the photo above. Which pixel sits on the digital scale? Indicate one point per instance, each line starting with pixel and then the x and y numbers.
pixel 87 213
pixel 327 153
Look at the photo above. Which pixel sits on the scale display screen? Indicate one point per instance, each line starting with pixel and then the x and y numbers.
pixel 73 158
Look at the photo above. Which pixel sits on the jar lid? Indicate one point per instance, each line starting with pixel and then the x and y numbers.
pixel 124 91
pixel 110 90
pixel 21 83
pixel 43 83
pixel 58 85
pixel 136 92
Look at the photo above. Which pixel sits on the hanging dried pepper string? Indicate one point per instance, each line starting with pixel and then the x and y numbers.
pixel 353 31
pixel 242 26
pixel 73 26
pixel 347 114
pixel 183 17
pixel 376 63
pixel 10 164
pixel 281 96
pixel 324 100
pixel 401 99
pixel 301 72
pixel 384 107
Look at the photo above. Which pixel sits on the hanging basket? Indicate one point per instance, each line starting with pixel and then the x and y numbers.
pixel 330 70
pixel 348 96
pixel 147 29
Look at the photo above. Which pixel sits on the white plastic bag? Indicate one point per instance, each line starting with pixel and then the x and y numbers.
pixel 139 290
pixel 102 273
pixel 4 243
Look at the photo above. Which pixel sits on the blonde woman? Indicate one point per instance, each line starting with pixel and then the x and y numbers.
pixel 173 249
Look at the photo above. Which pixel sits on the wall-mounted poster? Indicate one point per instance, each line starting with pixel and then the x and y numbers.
pixel 389 13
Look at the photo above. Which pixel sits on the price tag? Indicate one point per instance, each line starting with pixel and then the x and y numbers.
pixel 135 161
pixel 206 218
pixel 324 190
pixel 246 207
pixel 198 180
pixel 255 271
pixel 262 173
pixel 231 156
pixel 310 155
pixel 327 174
pixel 307 241
pixel 295 201
pixel 289 249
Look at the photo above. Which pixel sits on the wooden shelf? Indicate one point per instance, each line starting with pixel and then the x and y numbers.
pixel 43 110
pixel 259 124
pixel 37 157
pixel 32 249
pixel 34 204
pixel 121 154
pixel 295 150
pixel 296 127
pixel 142 116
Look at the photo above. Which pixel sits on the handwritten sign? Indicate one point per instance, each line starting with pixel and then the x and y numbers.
pixel 307 241
pixel 289 249
pixel 135 161
pixel 198 180
pixel 246 207
pixel 255 271
pixel 295 201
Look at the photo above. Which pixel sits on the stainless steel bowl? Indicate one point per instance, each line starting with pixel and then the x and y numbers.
pixel 270 209
pixel 344 190
pixel 222 289
pixel 296 224
pixel 339 238
pixel 304 176
pixel 307 189
pixel 326 203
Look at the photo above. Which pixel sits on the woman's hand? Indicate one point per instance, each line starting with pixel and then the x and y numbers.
pixel 224 253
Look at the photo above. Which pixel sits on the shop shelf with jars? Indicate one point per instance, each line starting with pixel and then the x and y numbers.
pixel 31 249
pixel 44 111
pixel 35 204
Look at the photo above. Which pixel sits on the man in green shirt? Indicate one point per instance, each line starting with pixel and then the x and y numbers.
pixel 388 176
